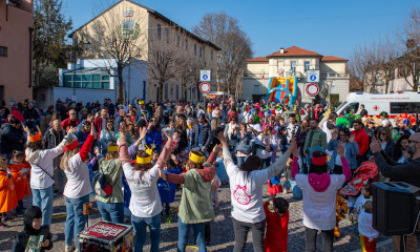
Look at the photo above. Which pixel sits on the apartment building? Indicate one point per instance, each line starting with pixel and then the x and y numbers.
pixel 173 54
pixel 295 61
pixel 16 50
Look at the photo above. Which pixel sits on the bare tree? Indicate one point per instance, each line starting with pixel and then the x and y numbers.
pixel 409 63
pixel 224 31
pixel 116 39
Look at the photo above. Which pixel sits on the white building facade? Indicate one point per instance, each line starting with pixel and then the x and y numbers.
pixel 296 61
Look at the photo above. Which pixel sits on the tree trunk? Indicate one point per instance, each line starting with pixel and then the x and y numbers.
pixel 160 94
pixel 121 84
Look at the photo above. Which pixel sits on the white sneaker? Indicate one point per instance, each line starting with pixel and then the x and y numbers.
pixel 69 248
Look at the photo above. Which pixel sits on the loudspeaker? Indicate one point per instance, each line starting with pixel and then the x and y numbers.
pixel 395 208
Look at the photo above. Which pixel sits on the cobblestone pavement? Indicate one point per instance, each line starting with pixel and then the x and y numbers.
pixel 222 235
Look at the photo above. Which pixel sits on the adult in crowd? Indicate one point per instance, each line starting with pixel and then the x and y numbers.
pixel 231 130
pixel 266 143
pixel 145 203
pixel 407 172
pixel 400 154
pixel 42 171
pixel 385 121
pixel 362 140
pixel 300 141
pixel 119 118
pixel 371 126
pixel 344 138
pixel 100 121
pixel 12 137
pixel 84 132
pixel 71 121
pixel 31 115
pixel 202 136
pixel 315 137
pixel 384 135
pixel 46 119
pixel 319 196
pixel 78 187
pixel 107 135
pixel 246 184
pixel 363 111
pixel 329 126
pixel 52 138
pixel 154 135
pixel 243 149
pixel 291 129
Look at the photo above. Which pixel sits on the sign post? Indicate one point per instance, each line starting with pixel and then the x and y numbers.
pixel 312 75
pixel 312 90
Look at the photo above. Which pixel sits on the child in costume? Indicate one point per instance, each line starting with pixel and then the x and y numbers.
pixel 277 225
pixel 367 233
pixel 34 236
pixel 341 210
pixel 19 172
pixel 8 199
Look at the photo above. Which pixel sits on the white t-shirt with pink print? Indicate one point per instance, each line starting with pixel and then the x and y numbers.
pixel 246 188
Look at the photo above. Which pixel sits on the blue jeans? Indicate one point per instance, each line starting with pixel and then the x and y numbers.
pixel 75 221
pixel 43 198
pixel 111 212
pixel 139 225
pixel 240 160
pixel 184 233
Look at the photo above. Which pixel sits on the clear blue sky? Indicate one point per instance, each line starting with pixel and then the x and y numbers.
pixel 332 27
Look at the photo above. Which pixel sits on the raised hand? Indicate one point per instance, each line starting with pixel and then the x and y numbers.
pixel 340 150
pixel 217 148
pixel 123 129
pixel 169 137
pixel 142 132
pixel 222 138
pixel 92 130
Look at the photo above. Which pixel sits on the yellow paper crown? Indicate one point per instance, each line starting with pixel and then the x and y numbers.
pixel 196 157
pixel 143 160
pixel 148 150
pixel 112 148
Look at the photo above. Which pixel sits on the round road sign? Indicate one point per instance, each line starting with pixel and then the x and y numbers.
pixel 205 87
pixel 312 89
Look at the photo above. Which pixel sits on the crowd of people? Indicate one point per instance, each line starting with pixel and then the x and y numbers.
pixel 133 157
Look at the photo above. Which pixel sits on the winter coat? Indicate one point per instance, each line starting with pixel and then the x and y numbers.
pixel 206 135
pixel 50 140
pixel 351 152
pixel 11 139
pixel 20 181
pixel 8 199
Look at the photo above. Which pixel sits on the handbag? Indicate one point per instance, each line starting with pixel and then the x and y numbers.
pixel 49 175
pixel 101 182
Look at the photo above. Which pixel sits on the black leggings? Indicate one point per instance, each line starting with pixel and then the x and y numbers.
pixel 241 232
pixel 327 239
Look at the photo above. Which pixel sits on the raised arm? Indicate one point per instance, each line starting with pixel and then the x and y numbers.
pixel 166 152
pixel 346 168
pixel 123 147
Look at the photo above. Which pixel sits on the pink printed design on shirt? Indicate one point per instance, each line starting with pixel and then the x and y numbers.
pixel 241 196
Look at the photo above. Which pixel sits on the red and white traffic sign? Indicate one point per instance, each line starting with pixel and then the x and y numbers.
pixel 312 89
pixel 205 87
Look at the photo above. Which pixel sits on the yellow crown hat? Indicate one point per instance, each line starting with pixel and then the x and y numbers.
pixel 143 160
pixel 112 148
pixel 196 156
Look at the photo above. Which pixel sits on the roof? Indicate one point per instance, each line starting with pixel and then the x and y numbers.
pixel 258 59
pixel 155 13
pixel 295 51
pixel 333 58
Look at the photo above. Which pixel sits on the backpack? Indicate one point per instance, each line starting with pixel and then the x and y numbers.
pixel 101 182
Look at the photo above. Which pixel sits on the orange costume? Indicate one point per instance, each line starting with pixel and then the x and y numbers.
pixel 8 199
pixel 20 181
pixel 341 209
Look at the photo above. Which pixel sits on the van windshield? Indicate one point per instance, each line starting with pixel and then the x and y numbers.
pixel 344 104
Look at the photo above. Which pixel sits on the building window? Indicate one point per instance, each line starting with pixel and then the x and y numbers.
pixel 86 80
pixel 3 51
pixel 293 66
pixel 211 54
pixel 256 89
pixel 167 34
pixel 204 52
pixel 201 51
pixel 307 65
pixel 159 31
pixel 178 40
pixel 186 44
pixel 195 49
pixel 166 91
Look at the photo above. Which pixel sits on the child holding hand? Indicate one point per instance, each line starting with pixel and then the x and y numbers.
pixel 8 199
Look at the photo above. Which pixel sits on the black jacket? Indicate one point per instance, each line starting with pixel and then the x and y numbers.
pixel 11 139
pixel 22 239
pixel 50 140
pixel 206 135
pixel 30 114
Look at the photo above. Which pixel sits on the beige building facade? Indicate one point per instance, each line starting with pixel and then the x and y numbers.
pixel 174 55
pixel 295 61
pixel 16 50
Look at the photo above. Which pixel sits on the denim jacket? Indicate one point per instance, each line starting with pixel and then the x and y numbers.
pixel 350 153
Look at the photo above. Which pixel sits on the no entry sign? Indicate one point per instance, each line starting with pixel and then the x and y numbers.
pixel 312 89
pixel 205 87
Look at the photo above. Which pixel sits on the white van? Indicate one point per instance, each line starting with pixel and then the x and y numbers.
pixel 393 104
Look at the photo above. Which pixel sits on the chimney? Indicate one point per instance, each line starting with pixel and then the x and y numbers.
pixel 282 50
